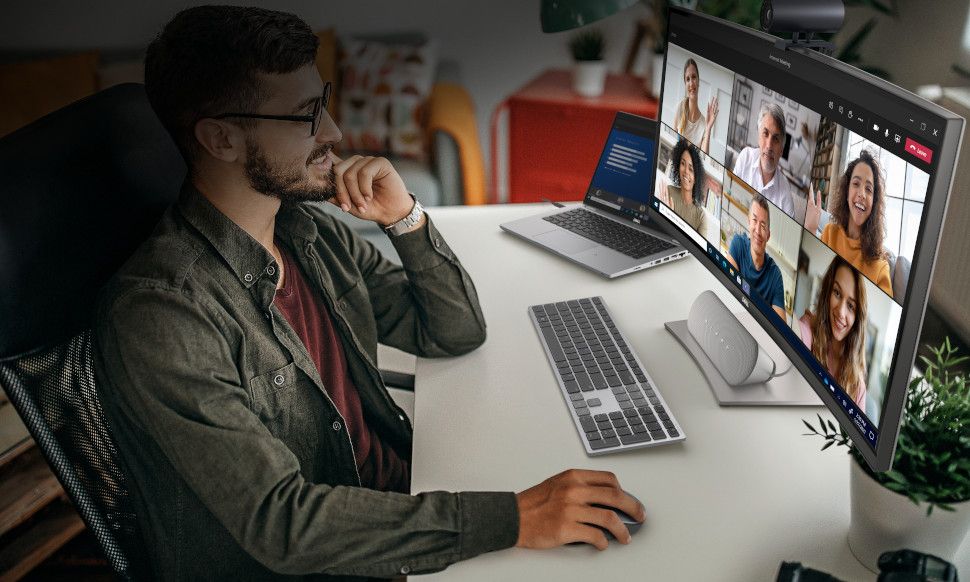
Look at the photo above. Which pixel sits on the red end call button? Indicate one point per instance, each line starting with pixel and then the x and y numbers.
pixel 919 150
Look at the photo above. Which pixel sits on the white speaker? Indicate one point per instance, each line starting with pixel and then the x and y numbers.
pixel 733 351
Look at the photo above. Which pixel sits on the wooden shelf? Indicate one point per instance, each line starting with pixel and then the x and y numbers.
pixel 26 486
pixel 14 438
pixel 53 528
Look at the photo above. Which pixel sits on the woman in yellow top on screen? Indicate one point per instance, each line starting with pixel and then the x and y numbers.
pixel 685 195
pixel 689 121
pixel 858 220
pixel 836 332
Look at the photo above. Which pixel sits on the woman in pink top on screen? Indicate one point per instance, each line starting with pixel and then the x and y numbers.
pixel 836 332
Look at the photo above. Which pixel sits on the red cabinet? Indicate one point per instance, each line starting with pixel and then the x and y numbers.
pixel 555 136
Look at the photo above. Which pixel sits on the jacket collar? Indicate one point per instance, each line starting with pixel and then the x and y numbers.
pixel 247 258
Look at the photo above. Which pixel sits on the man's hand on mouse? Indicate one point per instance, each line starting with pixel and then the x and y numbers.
pixel 559 510
pixel 370 189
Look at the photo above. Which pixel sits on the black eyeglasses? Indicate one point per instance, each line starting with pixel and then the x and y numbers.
pixel 319 104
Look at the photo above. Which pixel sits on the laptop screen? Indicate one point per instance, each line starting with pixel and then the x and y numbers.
pixel 623 179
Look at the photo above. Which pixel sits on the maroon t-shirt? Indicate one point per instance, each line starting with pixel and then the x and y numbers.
pixel 379 466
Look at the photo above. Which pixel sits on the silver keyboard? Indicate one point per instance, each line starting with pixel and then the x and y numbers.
pixel 612 401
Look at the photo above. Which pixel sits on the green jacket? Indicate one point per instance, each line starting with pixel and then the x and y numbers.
pixel 240 463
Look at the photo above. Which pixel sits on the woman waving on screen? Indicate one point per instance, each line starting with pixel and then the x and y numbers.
pixel 689 121
pixel 858 221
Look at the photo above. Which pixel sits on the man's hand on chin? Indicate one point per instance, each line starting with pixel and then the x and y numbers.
pixel 371 189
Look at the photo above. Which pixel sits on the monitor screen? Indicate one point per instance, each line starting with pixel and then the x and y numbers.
pixel 816 193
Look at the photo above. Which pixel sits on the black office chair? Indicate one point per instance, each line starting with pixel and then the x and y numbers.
pixel 80 189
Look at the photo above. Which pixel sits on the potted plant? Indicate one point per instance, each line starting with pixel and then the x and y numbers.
pixel 923 503
pixel 589 74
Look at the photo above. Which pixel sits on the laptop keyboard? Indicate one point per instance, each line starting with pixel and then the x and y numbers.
pixel 619 237
pixel 614 404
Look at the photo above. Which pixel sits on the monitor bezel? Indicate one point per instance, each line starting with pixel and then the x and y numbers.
pixel 921 271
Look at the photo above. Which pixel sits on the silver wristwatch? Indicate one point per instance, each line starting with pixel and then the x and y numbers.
pixel 405 224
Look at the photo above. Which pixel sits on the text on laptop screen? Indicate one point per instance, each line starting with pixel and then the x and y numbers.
pixel 623 179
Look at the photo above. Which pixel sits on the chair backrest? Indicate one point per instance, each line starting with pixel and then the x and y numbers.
pixel 81 189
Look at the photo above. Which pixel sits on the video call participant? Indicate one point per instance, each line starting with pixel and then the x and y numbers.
pixel 858 219
pixel 689 121
pixel 748 254
pixel 836 331
pixel 234 351
pixel 686 194
pixel 760 166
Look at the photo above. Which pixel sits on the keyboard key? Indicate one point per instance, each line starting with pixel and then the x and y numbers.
pixel 630 413
pixel 588 424
pixel 602 416
pixel 575 396
pixel 616 416
pixel 604 444
pixel 593 436
pixel 638 428
pixel 635 438
pixel 624 431
pixel 608 433
pixel 593 402
pixel 572 386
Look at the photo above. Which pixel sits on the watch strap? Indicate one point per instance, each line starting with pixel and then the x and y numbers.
pixel 406 223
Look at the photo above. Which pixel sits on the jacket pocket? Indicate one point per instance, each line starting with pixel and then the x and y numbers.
pixel 272 391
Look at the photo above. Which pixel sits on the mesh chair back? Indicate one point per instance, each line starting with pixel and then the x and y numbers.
pixel 81 189
pixel 53 391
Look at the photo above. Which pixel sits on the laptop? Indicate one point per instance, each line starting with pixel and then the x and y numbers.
pixel 611 232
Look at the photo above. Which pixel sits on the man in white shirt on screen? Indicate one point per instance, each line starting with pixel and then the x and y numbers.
pixel 759 166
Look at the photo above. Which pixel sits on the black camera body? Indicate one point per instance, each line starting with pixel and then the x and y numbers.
pixel 896 566
pixel 808 16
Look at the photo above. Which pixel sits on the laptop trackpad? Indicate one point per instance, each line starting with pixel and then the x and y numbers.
pixel 565 242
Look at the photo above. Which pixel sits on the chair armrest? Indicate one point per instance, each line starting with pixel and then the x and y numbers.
pixel 399 380
pixel 451 112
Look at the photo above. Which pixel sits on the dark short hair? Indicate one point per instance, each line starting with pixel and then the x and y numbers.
pixel 206 60
pixel 761 201
pixel 695 156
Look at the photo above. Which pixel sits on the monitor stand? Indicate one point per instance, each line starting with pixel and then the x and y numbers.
pixel 788 389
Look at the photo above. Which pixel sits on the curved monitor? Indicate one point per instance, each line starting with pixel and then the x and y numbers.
pixel 815 193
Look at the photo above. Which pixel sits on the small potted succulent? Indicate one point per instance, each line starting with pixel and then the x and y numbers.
pixel 589 73
pixel 923 503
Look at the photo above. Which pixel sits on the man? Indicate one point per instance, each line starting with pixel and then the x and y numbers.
pixel 236 348
pixel 747 254
pixel 758 166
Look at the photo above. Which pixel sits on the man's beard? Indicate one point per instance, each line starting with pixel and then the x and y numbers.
pixel 768 165
pixel 290 187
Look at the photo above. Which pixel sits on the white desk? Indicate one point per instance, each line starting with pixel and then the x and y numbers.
pixel 744 492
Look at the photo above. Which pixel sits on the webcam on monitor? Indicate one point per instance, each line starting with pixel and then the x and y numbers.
pixel 803 19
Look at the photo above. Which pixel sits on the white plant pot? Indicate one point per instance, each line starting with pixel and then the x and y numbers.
pixel 883 520
pixel 589 78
